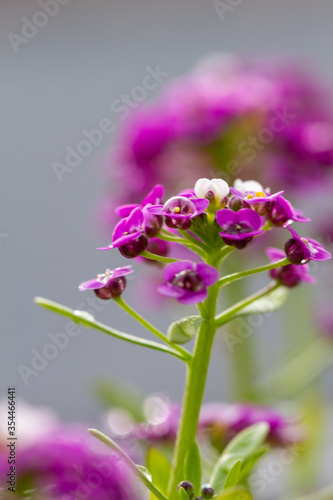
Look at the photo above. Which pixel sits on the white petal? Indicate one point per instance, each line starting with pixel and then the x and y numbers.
pixel 247 186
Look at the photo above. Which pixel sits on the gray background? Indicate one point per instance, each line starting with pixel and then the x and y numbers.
pixel 62 81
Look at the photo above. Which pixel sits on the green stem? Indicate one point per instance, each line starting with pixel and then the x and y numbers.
pixel 88 321
pixel 120 301
pixel 158 258
pixel 228 315
pixel 193 240
pixel 195 383
pixel 131 465
pixel 301 371
pixel 236 276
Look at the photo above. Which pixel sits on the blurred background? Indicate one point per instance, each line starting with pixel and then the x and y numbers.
pixel 59 83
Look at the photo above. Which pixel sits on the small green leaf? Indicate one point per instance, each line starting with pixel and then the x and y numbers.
pixel 146 472
pixel 184 329
pixel 182 493
pixel 236 493
pixel 271 302
pixel 242 447
pixel 233 475
pixel 193 467
pixel 159 467
pixel 252 461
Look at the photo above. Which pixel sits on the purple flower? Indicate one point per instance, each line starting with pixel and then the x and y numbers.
pixel 187 281
pixel 179 210
pixel 129 235
pixel 301 250
pixel 151 223
pixel 225 420
pixel 254 195
pixel 220 422
pixel 109 285
pixel 282 213
pixel 289 275
pixel 240 227
pixel 69 464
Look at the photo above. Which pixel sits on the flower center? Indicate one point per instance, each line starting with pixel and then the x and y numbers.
pixel 257 194
pixel 188 280
pixel 179 205
pixel 238 228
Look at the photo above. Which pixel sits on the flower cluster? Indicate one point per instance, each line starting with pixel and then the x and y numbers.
pixel 220 422
pixel 207 219
pixel 226 115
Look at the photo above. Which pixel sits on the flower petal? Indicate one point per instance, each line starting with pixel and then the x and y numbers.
pixel 207 273
pixel 189 298
pixel 174 268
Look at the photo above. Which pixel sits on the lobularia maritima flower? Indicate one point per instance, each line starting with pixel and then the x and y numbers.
pixel 180 210
pixel 109 285
pixel 300 250
pixel 289 275
pixel 239 228
pixel 187 281
pixel 214 217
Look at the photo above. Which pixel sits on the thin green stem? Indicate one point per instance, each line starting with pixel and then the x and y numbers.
pixel 120 301
pixel 236 276
pixel 158 258
pixel 229 313
pixel 301 371
pixel 194 390
pixel 193 240
pixel 88 321
pixel 131 465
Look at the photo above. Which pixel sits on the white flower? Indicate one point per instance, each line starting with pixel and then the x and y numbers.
pixel 204 188
pixel 248 186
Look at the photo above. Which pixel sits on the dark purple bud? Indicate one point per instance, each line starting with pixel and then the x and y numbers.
pixel 263 208
pixel 178 223
pixel 134 247
pixel 240 244
pixel 153 225
pixel 207 492
pixel 289 276
pixel 113 289
pixel 188 487
pixel 295 252
pixel 236 204
pixel 198 498
pixel 188 280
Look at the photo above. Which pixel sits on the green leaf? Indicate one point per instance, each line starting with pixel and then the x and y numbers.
pixel 271 302
pixel 252 461
pixel 236 493
pixel 138 470
pixel 182 493
pixel 233 475
pixel 193 467
pixel 242 447
pixel 89 321
pixel 159 467
pixel 184 329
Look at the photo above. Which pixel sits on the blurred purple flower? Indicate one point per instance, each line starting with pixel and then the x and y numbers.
pixel 220 422
pixel 69 464
pixel 187 281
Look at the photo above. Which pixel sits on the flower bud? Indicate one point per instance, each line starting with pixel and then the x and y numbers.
pixel 113 289
pixel 295 252
pixel 207 492
pixel 214 190
pixel 188 487
pixel 134 247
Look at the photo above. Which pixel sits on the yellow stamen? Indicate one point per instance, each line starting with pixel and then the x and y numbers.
pixel 176 210
pixel 249 196
pixel 260 194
